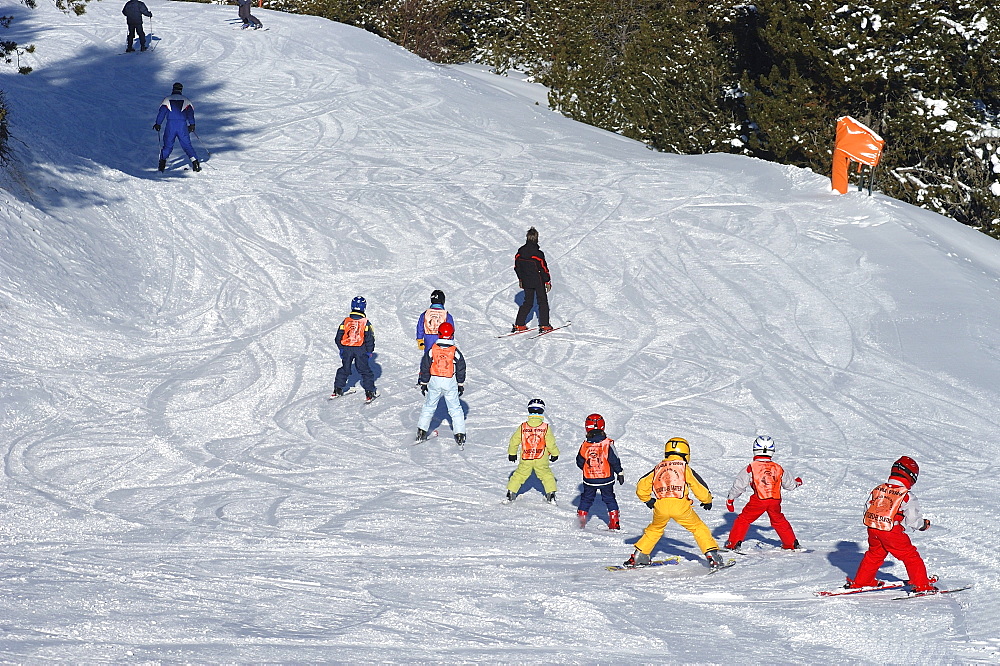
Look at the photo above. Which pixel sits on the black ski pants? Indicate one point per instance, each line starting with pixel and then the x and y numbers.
pixel 530 294
pixel 133 30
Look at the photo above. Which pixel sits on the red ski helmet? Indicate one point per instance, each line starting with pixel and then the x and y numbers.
pixel 906 470
pixel 446 331
pixel 594 422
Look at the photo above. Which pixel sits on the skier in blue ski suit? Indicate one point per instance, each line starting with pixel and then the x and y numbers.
pixel 179 115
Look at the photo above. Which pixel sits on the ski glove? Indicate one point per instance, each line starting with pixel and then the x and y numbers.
pixel 420 343
pixel 156 127
pixel 707 506
pixel 423 389
pixel 190 128
pixel 461 389
pixel 651 502
pixel 548 287
pixel 621 479
pixel 798 481
pixel 927 524
pixel 555 458
pixel 511 457
pixel 730 504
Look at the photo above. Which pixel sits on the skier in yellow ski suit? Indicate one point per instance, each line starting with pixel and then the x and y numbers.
pixel 665 491
pixel 537 446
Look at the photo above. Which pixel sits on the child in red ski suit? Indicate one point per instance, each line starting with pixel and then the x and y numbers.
pixel 891 507
pixel 767 478
pixel 600 464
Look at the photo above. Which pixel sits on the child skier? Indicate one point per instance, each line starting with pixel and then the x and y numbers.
pixel 430 319
pixel 178 112
pixel 891 507
pixel 356 340
pixel 442 373
pixel 537 446
pixel 767 478
pixel 600 464
pixel 665 491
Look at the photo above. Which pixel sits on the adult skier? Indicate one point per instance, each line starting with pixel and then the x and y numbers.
pixel 600 464
pixel 442 373
pixel 535 442
pixel 533 276
pixel 890 509
pixel 178 113
pixel 249 20
pixel 665 491
pixel 767 478
pixel 430 319
pixel 134 10
pixel 356 340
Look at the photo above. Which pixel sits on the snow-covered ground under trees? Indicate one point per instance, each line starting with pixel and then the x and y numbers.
pixel 177 487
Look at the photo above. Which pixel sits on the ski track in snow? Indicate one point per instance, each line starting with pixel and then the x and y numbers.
pixel 177 487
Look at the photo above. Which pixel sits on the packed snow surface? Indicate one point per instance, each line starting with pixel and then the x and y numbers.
pixel 178 487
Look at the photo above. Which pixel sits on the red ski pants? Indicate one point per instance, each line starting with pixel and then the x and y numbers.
pixel 754 509
pixel 897 543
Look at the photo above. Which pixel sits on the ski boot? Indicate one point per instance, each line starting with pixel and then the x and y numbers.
pixel 511 496
pixel 850 584
pixel 162 165
pixel 421 435
pixel 544 329
pixel 460 438
pixel 636 559
pixel 736 546
pixel 517 328
pixel 795 546
pixel 613 523
pixel 581 519
pixel 369 396
pixel 337 392
pixel 195 165
pixel 714 559
pixel 550 498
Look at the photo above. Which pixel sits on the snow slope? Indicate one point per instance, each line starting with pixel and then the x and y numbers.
pixel 176 486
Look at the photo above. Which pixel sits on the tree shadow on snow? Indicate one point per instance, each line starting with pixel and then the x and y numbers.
pixel 97 109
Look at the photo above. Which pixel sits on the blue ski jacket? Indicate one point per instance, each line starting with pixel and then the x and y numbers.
pixel 177 111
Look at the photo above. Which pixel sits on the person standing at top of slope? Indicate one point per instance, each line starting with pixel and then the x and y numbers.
pixel 442 373
pixel 665 491
pixel 432 318
pixel 599 462
pixel 891 507
pixel 767 478
pixel 134 10
pixel 178 113
pixel 536 443
pixel 249 20
pixel 533 276
pixel 356 340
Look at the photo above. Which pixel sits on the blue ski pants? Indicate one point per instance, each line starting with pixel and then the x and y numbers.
pixel 589 494
pixel 357 357
pixel 180 133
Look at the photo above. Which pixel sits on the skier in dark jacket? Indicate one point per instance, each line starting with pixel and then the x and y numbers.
pixel 134 10
pixel 249 20
pixel 179 114
pixel 356 340
pixel 533 276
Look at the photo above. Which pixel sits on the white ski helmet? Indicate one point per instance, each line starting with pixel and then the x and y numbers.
pixel 763 446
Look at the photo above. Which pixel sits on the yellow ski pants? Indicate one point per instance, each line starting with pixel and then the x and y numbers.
pixel 541 469
pixel 681 511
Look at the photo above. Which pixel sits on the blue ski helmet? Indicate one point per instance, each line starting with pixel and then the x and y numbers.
pixel 358 304
pixel 536 406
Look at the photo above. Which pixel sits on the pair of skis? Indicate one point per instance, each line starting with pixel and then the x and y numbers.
pixel 537 331
pixel 673 559
pixel 349 391
pixel 889 587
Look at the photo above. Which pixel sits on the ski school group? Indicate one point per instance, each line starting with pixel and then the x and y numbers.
pixel 891 508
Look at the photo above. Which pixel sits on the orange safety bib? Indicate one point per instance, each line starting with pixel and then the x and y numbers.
pixel 354 332
pixel 433 318
pixel 443 360
pixel 766 479
pixel 883 507
pixel 595 455
pixel 533 441
pixel 670 479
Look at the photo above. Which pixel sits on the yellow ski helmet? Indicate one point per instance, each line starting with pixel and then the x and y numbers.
pixel 677 445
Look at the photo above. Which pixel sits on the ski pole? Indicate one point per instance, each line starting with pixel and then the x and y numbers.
pixel 209 152
pixel 150 37
pixel 159 144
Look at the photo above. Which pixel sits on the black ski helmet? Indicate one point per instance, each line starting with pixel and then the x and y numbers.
pixel 178 88
pixel 437 297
